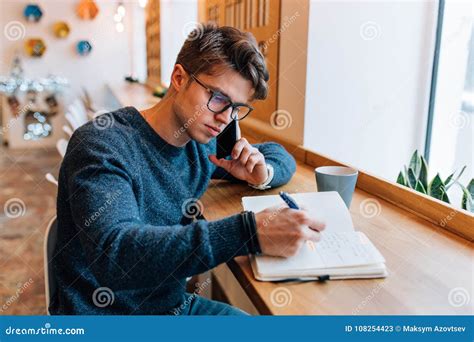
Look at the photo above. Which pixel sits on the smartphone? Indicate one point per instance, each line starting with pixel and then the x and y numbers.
pixel 226 140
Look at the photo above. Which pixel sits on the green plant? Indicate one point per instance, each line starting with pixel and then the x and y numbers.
pixel 416 177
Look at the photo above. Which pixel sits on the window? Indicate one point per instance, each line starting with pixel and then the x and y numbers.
pixel 450 127
pixel 369 88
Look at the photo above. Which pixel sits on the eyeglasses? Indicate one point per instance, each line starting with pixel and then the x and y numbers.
pixel 219 103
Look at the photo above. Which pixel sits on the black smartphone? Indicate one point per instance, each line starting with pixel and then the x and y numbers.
pixel 226 140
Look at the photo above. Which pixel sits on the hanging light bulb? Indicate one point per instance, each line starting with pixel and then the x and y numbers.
pixel 118 17
pixel 121 9
pixel 119 27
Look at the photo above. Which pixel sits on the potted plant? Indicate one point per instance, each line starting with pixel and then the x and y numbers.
pixel 415 176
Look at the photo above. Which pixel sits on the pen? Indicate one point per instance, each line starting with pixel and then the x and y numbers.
pixel 289 200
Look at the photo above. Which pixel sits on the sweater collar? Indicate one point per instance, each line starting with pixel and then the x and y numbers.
pixel 149 133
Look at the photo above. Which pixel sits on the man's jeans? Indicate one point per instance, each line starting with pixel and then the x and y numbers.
pixel 197 305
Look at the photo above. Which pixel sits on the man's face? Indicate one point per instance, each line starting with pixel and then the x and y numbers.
pixel 190 105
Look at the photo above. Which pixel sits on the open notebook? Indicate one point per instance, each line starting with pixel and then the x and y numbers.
pixel 342 252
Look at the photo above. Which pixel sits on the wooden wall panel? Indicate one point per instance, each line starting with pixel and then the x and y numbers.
pixel 262 19
pixel 153 54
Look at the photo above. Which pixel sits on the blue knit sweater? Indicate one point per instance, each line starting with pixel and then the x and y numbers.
pixel 127 239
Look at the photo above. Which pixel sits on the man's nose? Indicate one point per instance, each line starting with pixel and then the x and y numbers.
pixel 225 116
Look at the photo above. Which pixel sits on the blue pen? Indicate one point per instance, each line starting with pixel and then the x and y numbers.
pixel 289 200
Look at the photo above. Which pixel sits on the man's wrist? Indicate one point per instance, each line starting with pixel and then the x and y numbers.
pixel 250 228
pixel 265 184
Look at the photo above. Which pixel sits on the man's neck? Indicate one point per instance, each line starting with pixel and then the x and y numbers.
pixel 163 120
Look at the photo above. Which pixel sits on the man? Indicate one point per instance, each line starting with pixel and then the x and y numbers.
pixel 128 190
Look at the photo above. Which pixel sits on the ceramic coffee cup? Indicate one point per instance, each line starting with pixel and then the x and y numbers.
pixel 337 178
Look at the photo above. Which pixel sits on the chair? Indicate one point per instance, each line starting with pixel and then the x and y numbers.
pixel 71 119
pixel 51 237
pixel 61 146
pixel 87 102
pixel 79 111
pixel 50 178
pixel 67 130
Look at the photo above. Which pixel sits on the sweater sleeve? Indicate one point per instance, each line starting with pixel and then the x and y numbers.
pixel 122 250
pixel 283 163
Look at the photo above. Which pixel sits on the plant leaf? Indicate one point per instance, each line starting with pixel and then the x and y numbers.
pixel 456 179
pixel 401 179
pixel 467 202
pixel 470 187
pixel 436 188
pixel 445 197
pixel 423 177
pixel 415 163
pixel 419 187
pixel 446 182
pixel 411 178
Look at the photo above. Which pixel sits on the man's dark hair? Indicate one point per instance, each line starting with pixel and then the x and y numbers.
pixel 209 47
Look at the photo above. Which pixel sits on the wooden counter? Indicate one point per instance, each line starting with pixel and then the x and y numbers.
pixel 133 94
pixel 430 269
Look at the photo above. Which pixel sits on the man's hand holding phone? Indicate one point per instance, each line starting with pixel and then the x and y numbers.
pixel 247 163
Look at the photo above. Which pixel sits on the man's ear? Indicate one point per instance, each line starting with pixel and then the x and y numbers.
pixel 179 77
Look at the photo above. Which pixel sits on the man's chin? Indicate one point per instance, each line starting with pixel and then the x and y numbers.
pixel 201 138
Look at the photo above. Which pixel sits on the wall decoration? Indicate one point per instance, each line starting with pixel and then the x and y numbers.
pixel 84 47
pixel 87 9
pixel 61 29
pixel 35 47
pixel 33 13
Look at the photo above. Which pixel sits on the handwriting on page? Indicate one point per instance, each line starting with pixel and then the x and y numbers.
pixel 341 249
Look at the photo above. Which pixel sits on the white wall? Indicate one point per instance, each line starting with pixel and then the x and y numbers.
pixel 108 62
pixel 137 36
pixel 177 18
pixel 368 80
